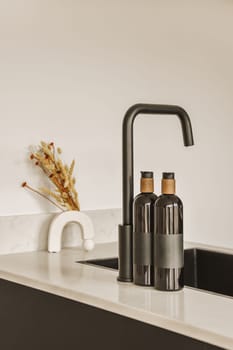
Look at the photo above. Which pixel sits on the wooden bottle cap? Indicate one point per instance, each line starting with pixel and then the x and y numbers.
pixel 168 186
pixel 147 184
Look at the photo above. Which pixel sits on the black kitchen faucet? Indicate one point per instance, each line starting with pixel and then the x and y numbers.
pixel 125 230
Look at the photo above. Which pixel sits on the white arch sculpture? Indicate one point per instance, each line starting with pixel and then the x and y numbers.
pixel 61 220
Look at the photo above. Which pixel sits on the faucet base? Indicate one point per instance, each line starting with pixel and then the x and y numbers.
pixel 119 279
pixel 125 254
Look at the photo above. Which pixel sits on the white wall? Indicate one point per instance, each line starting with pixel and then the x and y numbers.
pixel 70 69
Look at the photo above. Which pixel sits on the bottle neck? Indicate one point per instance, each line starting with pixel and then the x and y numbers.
pixel 168 186
pixel 147 185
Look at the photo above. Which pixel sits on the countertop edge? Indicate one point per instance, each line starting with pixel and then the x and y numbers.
pixel 124 310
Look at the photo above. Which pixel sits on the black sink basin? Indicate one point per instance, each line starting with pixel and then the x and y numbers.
pixel 204 269
pixel 110 263
pixel 209 270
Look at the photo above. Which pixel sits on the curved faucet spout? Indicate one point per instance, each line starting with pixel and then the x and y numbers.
pixel 128 145
pixel 125 230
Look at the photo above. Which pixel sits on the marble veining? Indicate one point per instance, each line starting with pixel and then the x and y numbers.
pixel 24 233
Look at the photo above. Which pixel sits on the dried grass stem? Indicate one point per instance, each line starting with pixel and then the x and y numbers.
pixel 60 175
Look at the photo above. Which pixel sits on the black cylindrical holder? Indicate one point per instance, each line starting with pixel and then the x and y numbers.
pixel 125 253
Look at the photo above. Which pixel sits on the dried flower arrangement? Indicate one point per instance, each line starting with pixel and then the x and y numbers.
pixel 64 196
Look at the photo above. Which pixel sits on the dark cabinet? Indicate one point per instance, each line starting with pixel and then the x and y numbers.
pixel 34 320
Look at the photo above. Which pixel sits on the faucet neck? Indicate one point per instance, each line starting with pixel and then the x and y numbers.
pixel 128 174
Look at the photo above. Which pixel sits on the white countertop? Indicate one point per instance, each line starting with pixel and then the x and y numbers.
pixel 201 315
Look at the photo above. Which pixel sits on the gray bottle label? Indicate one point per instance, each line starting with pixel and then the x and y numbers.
pixel 142 248
pixel 168 251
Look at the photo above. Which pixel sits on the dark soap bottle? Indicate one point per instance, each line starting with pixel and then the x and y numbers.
pixel 143 228
pixel 168 238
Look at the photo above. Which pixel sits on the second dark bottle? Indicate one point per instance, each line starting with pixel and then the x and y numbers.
pixel 168 238
pixel 143 227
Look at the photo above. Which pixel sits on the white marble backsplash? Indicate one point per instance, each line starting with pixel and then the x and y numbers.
pixel 24 233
